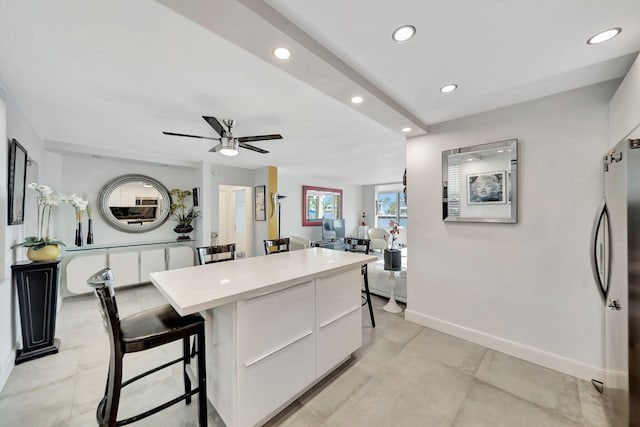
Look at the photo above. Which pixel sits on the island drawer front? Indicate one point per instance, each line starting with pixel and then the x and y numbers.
pixel 282 316
pixel 337 340
pixel 266 385
pixel 338 318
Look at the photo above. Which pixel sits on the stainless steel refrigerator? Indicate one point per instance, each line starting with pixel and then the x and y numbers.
pixel 615 252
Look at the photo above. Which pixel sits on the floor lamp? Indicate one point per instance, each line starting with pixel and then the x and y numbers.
pixel 279 198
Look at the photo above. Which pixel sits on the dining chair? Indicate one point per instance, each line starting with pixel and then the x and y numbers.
pixel 275 246
pixel 217 253
pixel 352 244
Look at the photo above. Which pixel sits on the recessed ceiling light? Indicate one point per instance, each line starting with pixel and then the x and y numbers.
pixel 605 35
pixel 404 33
pixel 448 88
pixel 405 130
pixel 282 53
pixel 357 99
pixel 469 160
pixel 500 151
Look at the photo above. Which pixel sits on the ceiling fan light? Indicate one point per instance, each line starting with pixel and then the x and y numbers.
pixel 229 147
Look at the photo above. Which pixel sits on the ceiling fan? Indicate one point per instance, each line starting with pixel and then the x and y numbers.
pixel 229 144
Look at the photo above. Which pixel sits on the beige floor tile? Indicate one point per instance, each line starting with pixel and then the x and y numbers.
pixel 449 350
pixel 323 401
pixel 373 358
pixel 592 404
pixel 547 388
pixel 487 406
pixel 49 405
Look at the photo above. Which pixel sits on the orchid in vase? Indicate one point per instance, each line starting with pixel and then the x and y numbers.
pixel 43 247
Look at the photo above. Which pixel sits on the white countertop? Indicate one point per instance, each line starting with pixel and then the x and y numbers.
pixel 194 289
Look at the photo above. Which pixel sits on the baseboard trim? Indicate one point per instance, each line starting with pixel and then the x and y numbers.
pixel 530 354
pixel 6 367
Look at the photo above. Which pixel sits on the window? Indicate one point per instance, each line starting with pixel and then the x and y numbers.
pixel 391 206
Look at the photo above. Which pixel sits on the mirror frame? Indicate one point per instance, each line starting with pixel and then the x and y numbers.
pixel 105 195
pixel 512 168
pixel 317 222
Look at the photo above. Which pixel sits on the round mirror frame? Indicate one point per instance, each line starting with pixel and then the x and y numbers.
pixel 105 211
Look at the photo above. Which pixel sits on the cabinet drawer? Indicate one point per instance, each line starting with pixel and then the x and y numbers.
pixel 268 383
pixel 337 294
pixel 337 338
pixel 267 322
pixel 80 268
pixel 151 261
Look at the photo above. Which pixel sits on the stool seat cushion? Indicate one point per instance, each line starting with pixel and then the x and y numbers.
pixel 155 326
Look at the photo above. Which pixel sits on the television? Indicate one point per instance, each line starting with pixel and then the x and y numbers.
pixel 333 229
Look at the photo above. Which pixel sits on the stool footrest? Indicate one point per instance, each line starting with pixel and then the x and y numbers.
pixel 151 371
pixel 157 408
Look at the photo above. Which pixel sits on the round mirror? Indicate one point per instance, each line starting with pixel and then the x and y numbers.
pixel 134 203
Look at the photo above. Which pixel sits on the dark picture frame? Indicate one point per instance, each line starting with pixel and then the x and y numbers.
pixel 194 195
pixel 487 188
pixel 17 177
pixel 260 203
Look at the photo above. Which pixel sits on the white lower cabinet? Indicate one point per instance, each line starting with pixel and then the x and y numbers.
pixel 283 342
pixel 130 264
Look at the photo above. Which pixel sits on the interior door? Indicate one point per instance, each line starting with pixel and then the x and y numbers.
pixel 235 218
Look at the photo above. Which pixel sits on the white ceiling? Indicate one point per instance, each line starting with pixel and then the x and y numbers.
pixel 107 77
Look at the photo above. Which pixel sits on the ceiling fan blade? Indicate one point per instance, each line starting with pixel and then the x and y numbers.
pixel 258 138
pixel 252 148
pixel 216 148
pixel 190 136
pixel 215 124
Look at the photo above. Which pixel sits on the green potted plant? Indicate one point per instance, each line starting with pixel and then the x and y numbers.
pixel 181 214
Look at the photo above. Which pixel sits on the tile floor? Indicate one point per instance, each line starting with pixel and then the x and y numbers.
pixel 404 375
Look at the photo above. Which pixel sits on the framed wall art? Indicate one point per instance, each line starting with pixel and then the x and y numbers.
pixel 486 188
pixel 17 182
pixel 260 206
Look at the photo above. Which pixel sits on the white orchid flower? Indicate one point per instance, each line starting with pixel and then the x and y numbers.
pixel 53 199
pixel 32 186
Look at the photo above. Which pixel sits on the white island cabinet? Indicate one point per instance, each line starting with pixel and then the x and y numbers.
pixel 275 325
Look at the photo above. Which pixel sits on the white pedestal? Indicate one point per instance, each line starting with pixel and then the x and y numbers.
pixel 392 306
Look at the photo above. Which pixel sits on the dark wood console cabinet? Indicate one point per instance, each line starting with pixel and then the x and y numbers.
pixel 37 285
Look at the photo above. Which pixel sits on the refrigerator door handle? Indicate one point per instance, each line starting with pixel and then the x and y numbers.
pixel 602 220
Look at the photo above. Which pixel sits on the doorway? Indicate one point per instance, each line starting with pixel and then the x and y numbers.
pixel 235 218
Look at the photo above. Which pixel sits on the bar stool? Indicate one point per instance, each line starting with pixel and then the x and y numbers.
pixel 352 244
pixel 275 246
pixel 142 331
pixel 212 254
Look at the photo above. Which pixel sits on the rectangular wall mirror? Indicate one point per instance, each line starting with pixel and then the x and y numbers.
pixel 319 203
pixel 480 183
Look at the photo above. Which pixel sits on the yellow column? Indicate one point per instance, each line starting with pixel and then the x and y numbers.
pixel 272 202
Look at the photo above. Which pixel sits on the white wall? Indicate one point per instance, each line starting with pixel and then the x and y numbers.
pixel 624 109
pixel 82 174
pixel 525 289
pixel 18 127
pixel 291 208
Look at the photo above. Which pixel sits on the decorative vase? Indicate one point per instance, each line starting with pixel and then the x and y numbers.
pixel 184 229
pixel 47 253
pixel 90 232
pixel 79 235
pixel 393 259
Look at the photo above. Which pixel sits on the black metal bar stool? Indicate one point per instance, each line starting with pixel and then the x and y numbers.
pixel 142 331
pixel 352 244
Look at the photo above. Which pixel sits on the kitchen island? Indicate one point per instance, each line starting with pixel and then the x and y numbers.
pixel 275 325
